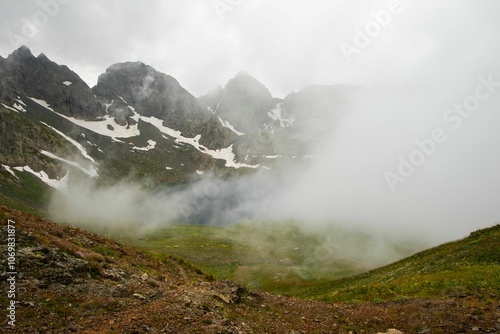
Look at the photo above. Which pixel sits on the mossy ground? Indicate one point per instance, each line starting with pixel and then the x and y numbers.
pixel 277 257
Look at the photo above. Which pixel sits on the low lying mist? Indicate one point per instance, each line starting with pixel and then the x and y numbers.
pixel 381 172
pixel 415 159
pixel 364 176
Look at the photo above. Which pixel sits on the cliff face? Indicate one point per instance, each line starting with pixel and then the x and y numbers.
pixel 41 78
pixel 243 107
pixel 244 103
pixel 23 140
pixel 152 93
pixel 141 122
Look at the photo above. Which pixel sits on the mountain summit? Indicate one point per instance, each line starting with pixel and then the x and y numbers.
pixel 152 94
pixel 41 78
pixel 139 121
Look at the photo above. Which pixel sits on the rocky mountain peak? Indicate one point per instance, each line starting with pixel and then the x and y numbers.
pixel 130 66
pixel 151 93
pixel 244 85
pixel 42 56
pixel 21 53
pixel 41 78
pixel 244 102
pixel 239 123
pixel 135 82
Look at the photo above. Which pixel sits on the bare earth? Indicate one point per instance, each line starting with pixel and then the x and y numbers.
pixel 74 281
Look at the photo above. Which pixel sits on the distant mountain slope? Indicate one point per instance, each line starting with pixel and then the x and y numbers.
pixel 244 103
pixel 247 108
pixel 70 280
pixel 140 124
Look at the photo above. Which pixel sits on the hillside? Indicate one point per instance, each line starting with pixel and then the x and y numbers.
pixel 468 267
pixel 70 280
pixel 277 256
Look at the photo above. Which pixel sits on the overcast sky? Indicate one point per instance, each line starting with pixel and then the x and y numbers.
pixel 435 53
pixel 286 44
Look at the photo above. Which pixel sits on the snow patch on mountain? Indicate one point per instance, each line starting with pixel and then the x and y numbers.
pixel 228 125
pixel 82 149
pixel 117 140
pixel 8 169
pixel 158 123
pixel 214 111
pixel 107 105
pixel 92 144
pixel 91 171
pixel 106 126
pixel 42 103
pixel 16 107
pixel 61 185
pixel 19 107
pixel 10 108
pixel 151 145
pixel 276 114
pixel 133 109
pixel 20 101
pixel 226 154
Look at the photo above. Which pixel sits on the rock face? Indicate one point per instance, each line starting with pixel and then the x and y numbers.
pixel 151 93
pixel 22 141
pixel 238 126
pixel 41 78
pixel 244 103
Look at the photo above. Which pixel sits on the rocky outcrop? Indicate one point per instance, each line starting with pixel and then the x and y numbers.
pixel 215 136
pixel 152 93
pixel 121 112
pixel 244 103
pixel 22 140
pixel 41 78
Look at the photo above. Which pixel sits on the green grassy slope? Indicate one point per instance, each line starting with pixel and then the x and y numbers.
pixel 466 267
pixel 274 256
pixel 280 258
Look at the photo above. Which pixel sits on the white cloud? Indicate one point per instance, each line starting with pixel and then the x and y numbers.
pixel 286 44
pixel 433 52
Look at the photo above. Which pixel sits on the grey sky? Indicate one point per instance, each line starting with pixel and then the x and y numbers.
pixel 431 51
pixel 285 44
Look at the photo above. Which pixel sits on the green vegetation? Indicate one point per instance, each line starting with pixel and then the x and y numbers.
pixel 466 267
pixel 23 137
pixel 29 194
pixel 274 256
pixel 104 251
pixel 282 258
